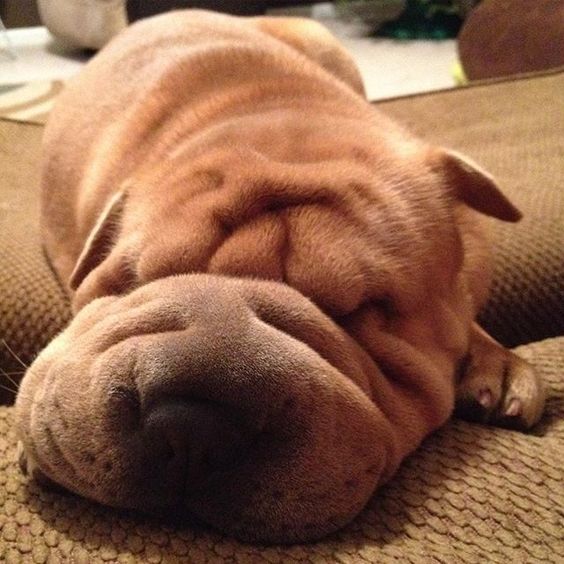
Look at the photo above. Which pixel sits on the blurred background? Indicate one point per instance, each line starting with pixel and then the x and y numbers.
pixel 402 47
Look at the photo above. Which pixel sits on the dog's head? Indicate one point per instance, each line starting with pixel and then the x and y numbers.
pixel 315 224
pixel 221 398
pixel 239 401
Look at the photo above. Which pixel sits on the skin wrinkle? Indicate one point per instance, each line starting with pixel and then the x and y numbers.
pixel 267 112
pixel 276 323
pixel 71 462
pixel 103 346
pixel 245 215
pixel 283 210
pixel 403 383
pixel 246 156
pixel 46 464
pixel 399 386
pixel 55 448
pixel 286 248
pixel 211 109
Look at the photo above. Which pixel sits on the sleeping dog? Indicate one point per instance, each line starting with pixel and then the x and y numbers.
pixel 274 285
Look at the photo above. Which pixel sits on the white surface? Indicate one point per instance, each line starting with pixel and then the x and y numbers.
pixel 37 57
pixel 395 68
pixel 389 68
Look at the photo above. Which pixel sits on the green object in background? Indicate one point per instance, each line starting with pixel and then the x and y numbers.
pixel 459 75
pixel 412 19
pixel 427 19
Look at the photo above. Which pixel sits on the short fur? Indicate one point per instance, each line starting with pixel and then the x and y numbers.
pixel 274 284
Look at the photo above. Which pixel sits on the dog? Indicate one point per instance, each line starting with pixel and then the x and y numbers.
pixel 274 285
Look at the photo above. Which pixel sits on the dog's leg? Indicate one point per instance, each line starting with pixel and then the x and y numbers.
pixel 498 387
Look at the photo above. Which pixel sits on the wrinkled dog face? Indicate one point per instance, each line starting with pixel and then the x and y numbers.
pixel 198 393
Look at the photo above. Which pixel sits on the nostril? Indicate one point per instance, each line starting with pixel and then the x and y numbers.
pixel 189 439
pixel 125 405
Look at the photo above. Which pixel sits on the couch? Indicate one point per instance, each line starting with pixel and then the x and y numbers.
pixel 470 493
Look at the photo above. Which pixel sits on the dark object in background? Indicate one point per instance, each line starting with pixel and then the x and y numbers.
pixel 428 19
pixel 507 37
pixel 19 13
pixel 137 9
pixel 24 13
pixel 408 19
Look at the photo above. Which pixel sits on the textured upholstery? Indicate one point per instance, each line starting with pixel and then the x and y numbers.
pixel 469 494
pixel 33 307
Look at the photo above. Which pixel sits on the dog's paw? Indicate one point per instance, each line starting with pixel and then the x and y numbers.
pixel 499 388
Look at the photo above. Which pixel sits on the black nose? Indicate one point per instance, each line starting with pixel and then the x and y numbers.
pixel 188 439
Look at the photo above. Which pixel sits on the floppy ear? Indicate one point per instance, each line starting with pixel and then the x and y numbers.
pixel 474 186
pixel 100 240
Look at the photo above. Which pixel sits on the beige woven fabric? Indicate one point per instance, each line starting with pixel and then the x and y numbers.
pixel 33 307
pixel 469 494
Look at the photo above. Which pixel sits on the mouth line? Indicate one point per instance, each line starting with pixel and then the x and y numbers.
pixel 63 459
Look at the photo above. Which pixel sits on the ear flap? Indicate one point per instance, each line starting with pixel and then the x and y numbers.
pixel 100 240
pixel 474 186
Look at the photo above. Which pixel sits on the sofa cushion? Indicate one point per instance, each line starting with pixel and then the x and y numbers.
pixel 33 307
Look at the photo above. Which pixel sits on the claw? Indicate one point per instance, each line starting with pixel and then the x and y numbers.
pixel 21 457
pixel 485 398
pixel 514 408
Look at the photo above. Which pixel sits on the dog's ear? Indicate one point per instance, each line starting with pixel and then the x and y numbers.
pixel 473 185
pixel 100 241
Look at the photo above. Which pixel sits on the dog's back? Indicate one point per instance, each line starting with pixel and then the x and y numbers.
pixel 154 85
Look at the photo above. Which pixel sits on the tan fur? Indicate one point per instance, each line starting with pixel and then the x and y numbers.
pixel 275 285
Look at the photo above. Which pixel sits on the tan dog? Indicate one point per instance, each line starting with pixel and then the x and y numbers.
pixel 274 284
